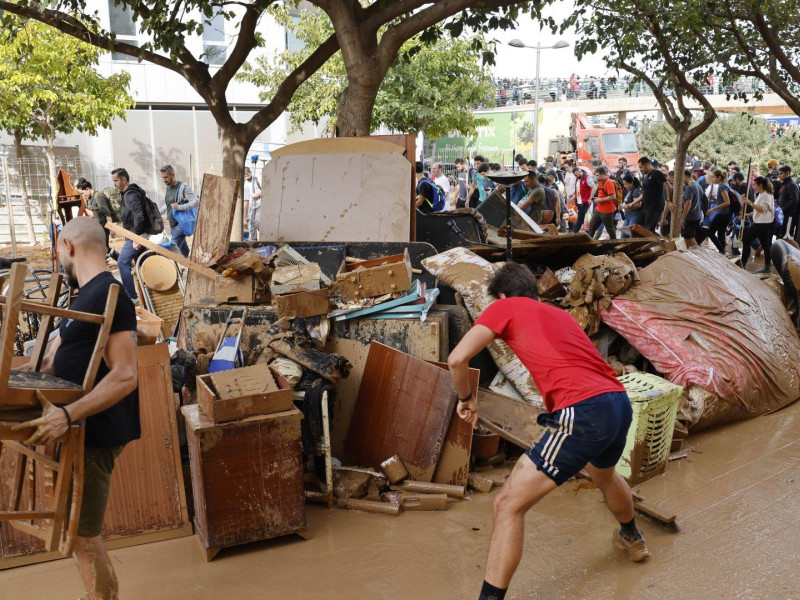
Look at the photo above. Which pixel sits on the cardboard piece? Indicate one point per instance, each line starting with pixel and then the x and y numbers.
pixel 239 393
pixel 295 278
pixel 303 304
pixel 387 275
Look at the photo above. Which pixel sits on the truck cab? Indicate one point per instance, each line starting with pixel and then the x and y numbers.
pixel 595 145
pixel 591 146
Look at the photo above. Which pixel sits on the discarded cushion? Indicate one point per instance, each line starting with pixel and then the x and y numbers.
pixel 467 273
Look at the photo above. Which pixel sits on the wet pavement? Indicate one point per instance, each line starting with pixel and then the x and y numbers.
pixel 736 496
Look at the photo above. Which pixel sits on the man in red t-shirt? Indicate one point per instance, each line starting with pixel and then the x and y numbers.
pixel 605 206
pixel 587 420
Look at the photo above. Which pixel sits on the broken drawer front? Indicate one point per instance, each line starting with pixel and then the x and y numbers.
pixel 247 476
pixel 374 277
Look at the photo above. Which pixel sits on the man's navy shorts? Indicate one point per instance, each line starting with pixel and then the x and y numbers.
pixel 591 431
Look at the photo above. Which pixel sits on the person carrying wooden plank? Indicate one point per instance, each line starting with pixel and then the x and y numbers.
pixel 111 409
pixel 587 421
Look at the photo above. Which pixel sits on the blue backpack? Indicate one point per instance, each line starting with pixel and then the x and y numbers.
pixel 439 196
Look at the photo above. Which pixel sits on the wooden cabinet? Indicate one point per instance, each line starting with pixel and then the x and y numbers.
pixel 247 478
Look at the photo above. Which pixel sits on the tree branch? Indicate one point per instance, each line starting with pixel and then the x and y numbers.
pixel 288 87
pixel 71 26
pixel 245 43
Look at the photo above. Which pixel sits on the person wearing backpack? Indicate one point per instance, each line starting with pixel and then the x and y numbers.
pixel 430 197
pixel 719 212
pixel 606 199
pixel 134 215
pixel 178 197
pixel 100 207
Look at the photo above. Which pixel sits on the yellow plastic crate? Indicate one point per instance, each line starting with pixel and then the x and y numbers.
pixel 655 405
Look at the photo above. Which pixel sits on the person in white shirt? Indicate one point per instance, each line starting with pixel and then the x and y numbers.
pixel 763 216
pixel 252 204
pixel 440 179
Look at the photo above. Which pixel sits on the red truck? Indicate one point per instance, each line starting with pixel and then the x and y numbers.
pixel 592 145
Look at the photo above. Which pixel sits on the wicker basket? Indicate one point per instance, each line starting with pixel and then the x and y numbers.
pixel 655 405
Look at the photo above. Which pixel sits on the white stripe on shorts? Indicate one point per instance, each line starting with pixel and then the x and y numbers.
pixel 567 432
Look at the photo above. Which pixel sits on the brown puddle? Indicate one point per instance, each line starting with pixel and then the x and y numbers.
pixel 737 502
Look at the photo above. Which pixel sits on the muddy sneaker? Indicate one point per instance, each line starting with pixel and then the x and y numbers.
pixel 636 549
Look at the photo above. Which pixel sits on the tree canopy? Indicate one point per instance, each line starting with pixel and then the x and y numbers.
pixel 431 87
pixel 49 85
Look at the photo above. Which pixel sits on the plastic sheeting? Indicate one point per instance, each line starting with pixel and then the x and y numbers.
pixel 702 321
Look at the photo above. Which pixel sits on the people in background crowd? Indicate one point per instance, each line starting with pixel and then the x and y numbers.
pixel 631 203
pixel 177 197
pixel 134 219
pixel 763 215
pixel 100 208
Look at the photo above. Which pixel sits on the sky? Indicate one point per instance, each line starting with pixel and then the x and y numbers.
pixel 521 62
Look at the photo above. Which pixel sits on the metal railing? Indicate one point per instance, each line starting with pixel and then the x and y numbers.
pixel 516 92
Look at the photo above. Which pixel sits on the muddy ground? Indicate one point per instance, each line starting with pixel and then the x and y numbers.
pixel 737 497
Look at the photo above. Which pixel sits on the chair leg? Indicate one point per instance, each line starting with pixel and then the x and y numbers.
pixel 8 332
pixel 77 497
pixel 61 492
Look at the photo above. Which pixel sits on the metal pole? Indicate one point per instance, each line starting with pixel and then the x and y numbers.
pixel 536 107
pixel 509 251
pixel 10 210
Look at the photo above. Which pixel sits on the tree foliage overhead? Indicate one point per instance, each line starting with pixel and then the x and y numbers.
pixel 736 137
pixel 430 87
pixel 49 85
pixel 754 38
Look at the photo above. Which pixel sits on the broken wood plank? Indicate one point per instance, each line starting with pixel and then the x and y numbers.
pixel 212 233
pixel 176 256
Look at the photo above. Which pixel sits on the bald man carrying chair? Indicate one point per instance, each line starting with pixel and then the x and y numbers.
pixel 111 409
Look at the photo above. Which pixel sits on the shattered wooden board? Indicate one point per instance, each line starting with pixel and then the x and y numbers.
pixel 247 477
pixel 212 232
pixel 426 341
pixel 337 197
pixel 514 416
pixel 453 465
pixel 404 408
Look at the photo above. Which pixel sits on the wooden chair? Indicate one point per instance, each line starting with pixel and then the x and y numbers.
pixel 23 394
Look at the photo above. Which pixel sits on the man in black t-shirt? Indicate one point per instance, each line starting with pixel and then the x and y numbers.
pixel 111 409
pixel 655 188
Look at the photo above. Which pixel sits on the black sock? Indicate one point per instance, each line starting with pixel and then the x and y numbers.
pixel 629 529
pixel 489 592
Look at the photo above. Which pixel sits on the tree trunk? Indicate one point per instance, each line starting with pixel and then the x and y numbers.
pixel 23 186
pixel 677 191
pixel 52 169
pixel 354 114
pixel 235 144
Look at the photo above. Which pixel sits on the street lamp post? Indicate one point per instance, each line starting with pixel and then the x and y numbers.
pixel 516 43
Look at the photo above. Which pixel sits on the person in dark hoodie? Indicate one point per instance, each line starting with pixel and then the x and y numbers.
pixel 134 220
